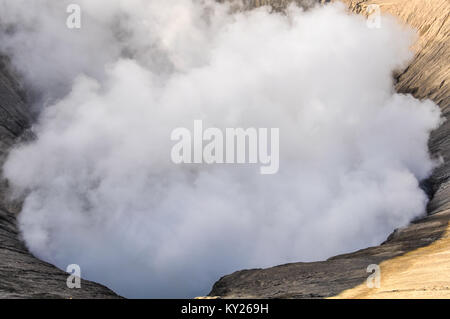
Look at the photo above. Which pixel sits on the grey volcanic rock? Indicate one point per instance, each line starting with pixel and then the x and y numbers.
pixel 328 278
pixel 428 76
pixel 21 274
pixel 14 117
pixel 24 276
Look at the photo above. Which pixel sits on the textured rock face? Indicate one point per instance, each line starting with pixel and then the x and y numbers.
pixel 21 274
pixel 414 261
pixel 24 276
pixel 14 117
pixel 340 273
pixel 428 75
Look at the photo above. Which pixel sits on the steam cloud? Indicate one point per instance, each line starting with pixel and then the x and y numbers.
pixel 100 188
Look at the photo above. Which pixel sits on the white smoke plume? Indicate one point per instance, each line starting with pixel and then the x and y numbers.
pixel 100 188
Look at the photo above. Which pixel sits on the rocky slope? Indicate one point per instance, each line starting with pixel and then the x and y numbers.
pixel 21 274
pixel 414 261
pixel 428 75
pixel 342 273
